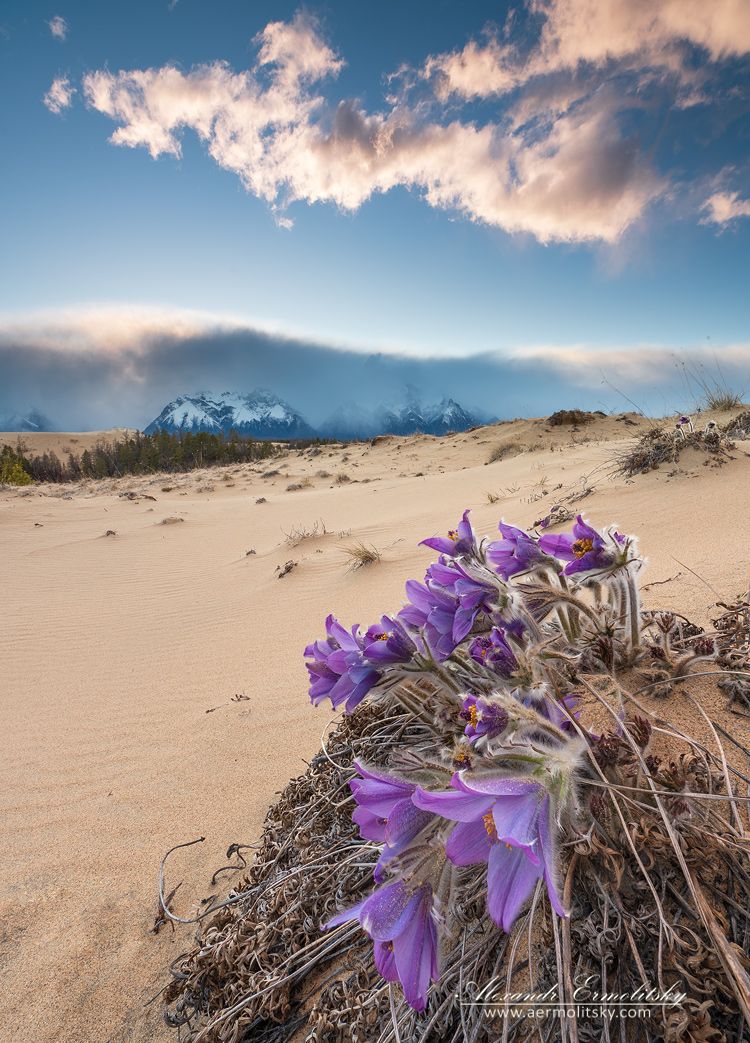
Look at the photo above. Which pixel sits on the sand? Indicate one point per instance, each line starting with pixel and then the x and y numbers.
pixel 122 658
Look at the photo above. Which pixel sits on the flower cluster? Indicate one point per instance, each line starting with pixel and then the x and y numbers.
pixel 497 629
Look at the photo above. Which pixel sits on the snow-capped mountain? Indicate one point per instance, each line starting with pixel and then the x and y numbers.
pixel 438 419
pixel 31 421
pixel 261 414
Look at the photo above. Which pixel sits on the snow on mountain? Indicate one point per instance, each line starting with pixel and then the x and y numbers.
pixel 261 414
pixel 438 419
pixel 31 421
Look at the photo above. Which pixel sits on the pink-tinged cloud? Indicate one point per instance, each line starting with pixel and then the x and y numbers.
pixel 639 34
pixel 60 95
pixel 574 178
pixel 723 208
pixel 58 27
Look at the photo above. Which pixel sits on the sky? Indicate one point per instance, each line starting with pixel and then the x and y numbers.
pixel 522 205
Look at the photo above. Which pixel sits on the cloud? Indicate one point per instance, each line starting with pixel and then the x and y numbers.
pixel 58 27
pixel 60 95
pixel 722 208
pixel 105 366
pixel 636 34
pixel 574 176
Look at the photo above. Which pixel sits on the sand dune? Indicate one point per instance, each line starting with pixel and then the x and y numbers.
pixel 121 655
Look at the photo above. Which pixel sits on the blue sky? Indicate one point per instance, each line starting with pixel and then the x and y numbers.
pixel 429 179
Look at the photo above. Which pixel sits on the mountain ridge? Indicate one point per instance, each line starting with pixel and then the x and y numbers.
pixel 263 414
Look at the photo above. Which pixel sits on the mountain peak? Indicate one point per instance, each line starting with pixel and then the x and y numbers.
pixel 31 420
pixel 259 414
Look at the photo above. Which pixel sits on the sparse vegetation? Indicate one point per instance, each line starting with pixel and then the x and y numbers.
pixel 301 532
pixel 342 478
pixel 572 417
pixel 740 426
pixel 294 487
pixel 12 471
pixel 505 449
pixel 139 454
pixel 492 498
pixel 659 445
pixel 714 393
pixel 361 555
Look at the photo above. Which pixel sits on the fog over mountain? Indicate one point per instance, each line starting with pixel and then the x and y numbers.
pixel 103 370
pixel 262 414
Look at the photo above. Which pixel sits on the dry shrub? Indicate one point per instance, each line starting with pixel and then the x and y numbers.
pixel 659 445
pixel 572 417
pixel 361 555
pixel 659 887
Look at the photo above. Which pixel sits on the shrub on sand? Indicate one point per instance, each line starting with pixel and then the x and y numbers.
pixel 659 445
pixel 524 818
pixel 360 555
pixel 572 417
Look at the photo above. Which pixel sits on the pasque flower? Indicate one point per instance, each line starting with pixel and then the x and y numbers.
pixel 505 822
pixel 585 549
pixel 399 920
pixel 432 609
pixel 389 643
pixel 484 717
pixel 515 552
pixel 338 668
pixel 493 650
pixel 460 540
pixel 385 812
pixel 553 709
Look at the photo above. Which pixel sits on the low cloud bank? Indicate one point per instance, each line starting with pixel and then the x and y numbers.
pixel 104 369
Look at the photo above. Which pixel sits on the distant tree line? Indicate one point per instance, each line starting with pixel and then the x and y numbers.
pixel 139 454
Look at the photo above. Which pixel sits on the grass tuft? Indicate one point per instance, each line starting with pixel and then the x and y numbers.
pixel 360 555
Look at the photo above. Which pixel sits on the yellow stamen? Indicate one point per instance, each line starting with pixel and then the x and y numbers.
pixel 461 755
pixel 473 716
pixel 383 637
pixel 453 535
pixel 489 825
pixel 581 547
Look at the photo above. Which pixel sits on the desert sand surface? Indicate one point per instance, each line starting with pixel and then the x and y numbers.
pixel 153 684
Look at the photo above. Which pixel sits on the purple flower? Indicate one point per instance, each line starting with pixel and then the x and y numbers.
pixel 474 596
pixel 552 709
pixel 399 921
pixel 505 822
pixel 484 717
pixel 493 650
pixel 338 668
pixel 433 609
pixel 515 552
pixel 385 813
pixel 457 541
pixel 389 643
pixel 584 549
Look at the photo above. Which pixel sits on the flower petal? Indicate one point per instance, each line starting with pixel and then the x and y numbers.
pixel 468 844
pixel 384 913
pixel 415 950
pixel 453 805
pixel 510 880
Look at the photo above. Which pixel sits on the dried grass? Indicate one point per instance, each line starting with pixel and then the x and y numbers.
pixel 659 890
pixel 360 555
pixel 658 446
